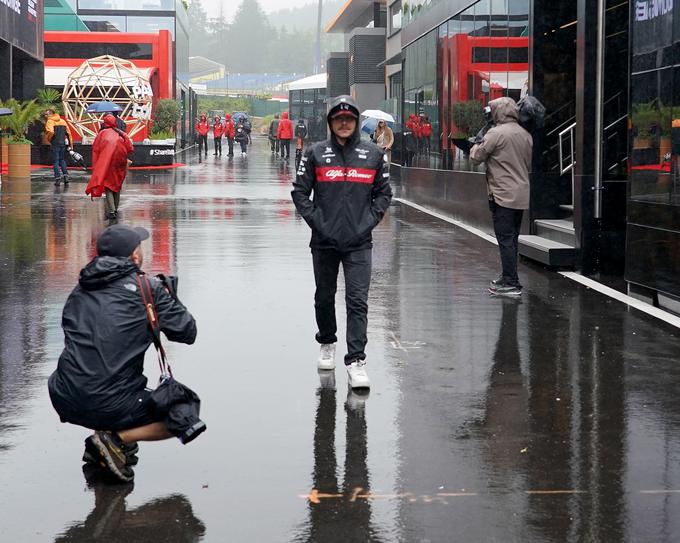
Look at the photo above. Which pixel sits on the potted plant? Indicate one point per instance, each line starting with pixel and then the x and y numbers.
pixel 165 118
pixel 645 120
pixel 19 147
pixel 468 119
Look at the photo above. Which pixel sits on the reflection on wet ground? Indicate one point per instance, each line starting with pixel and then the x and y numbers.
pixel 550 418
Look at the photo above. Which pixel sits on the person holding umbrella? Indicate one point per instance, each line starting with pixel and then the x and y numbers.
pixel 384 138
pixel 110 152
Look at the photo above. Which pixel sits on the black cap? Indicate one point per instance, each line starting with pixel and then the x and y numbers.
pixel 343 105
pixel 120 240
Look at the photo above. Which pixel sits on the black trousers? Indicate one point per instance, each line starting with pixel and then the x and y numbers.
pixel 244 145
pixel 285 146
pixel 218 145
pixel 203 144
pixel 230 141
pixel 506 224
pixel 356 266
pixel 273 142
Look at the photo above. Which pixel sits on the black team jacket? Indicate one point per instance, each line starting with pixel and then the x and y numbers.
pixel 351 192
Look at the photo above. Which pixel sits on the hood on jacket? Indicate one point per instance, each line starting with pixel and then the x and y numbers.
pixel 217 119
pixel 203 118
pixel 284 115
pixel 104 270
pixel 54 117
pixel 356 137
pixel 504 110
pixel 109 121
pixel 227 117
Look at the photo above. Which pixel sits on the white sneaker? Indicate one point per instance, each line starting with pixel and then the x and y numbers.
pixel 358 378
pixel 327 357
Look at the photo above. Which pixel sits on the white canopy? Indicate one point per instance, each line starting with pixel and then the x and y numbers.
pixel 317 81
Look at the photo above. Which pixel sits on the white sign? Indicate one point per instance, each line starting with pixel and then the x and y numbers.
pixel 647 10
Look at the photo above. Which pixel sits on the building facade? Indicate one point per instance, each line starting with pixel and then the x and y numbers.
pixel 605 177
pixel 21 48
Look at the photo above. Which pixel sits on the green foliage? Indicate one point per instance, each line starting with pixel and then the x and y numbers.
pixel 468 118
pixel 166 115
pixel 24 114
pixel 50 98
pixel 225 103
pixel 162 135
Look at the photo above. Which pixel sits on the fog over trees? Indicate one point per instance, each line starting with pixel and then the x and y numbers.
pixel 254 42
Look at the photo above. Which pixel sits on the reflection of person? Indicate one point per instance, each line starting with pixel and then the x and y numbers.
pixel 110 152
pixel 99 381
pixel 202 129
pixel 506 149
pixel 426 132
pixel 58 136
pixel 110 520
pixel 384 138
pixel 350 180
pixel 347 511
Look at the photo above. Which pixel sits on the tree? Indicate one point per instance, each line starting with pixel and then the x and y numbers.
pixel 249 39
pixel 198 26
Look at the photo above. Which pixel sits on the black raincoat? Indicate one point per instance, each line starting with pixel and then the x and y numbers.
pixel 351 190
pixel 106 329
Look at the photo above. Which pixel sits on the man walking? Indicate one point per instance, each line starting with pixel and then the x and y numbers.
pixel 229 133
pixel 99 381
pixel 273 129
pixel 218 130
pixel 506 149
pixel 59 138
pixel 350 181
pixel 202 129
pixel 284 133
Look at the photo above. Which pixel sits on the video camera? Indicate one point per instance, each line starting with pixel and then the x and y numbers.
pixel 487 126
pixel 170 283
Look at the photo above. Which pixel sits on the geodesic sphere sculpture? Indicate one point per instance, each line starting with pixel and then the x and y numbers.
pixel 112 79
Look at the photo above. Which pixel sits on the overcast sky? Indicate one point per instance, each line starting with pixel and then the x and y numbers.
pixel 230 6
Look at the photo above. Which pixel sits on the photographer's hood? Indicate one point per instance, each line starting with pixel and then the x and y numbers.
pixel 104 270
pixel 504 110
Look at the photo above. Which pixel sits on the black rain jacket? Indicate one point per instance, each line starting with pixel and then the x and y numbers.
pixel 100 370
pixel 351 191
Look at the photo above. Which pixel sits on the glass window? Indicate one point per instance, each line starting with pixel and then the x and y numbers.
pixel 151 24
pixel 395 17
pixel 104 23
pixel 128 5
pixel 130 51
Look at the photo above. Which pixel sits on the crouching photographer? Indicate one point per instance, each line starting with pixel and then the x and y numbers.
pixel 110 319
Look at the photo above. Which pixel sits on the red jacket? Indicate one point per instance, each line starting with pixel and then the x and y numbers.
pixel 413 124
pixel 203 126
pixel 229 129
pixel 285 130
pixel 109 159
pixel 218 128
pixel 426 129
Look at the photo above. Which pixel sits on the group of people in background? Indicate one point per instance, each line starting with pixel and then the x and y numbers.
pixel 281 133
pixel 417 137
pixel 238 131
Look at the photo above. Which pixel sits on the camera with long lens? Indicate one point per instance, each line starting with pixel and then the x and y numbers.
pixel 488 120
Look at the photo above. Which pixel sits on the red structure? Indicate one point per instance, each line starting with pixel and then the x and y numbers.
pixel 153 53
pixel 480 68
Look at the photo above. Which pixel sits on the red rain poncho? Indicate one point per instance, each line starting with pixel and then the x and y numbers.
pixel 109 159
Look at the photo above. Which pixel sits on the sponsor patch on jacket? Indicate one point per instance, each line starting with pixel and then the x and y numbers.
pixel 363 156
pixel 362 151
pixel 354 175
pixel 130 286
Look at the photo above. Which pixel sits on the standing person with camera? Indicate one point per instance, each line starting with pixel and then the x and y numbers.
pixel 350 181
pixel 506 149
pixel 99 381
pixel 59 138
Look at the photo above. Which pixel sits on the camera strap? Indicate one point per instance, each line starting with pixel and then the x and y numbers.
pixel 152 317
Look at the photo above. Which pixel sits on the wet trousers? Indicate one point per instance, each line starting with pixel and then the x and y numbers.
pixel 285 146
pixel 218 145
pixel 507 224
pixel 59 160
pixel 244 145
pixel 112 201
pixel 203 144
pixel 230 142
pixel 356 267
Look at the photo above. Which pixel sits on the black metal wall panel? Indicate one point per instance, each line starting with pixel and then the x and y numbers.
pixel 337 68
pixel 366 52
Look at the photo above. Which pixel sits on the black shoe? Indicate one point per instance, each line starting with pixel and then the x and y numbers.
pixel 502 289
pixel 495 282
pixel 91 454
pixel 66 179
pixel 109 448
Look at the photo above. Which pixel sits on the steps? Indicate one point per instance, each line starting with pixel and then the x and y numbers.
pixel 554 243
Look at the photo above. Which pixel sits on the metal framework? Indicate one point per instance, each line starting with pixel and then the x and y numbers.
pixel 107 78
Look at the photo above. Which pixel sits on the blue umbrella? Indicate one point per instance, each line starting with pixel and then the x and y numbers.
pixel 368 125
pixel 103 107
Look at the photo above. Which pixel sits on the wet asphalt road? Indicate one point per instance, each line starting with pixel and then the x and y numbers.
pixel 551 418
